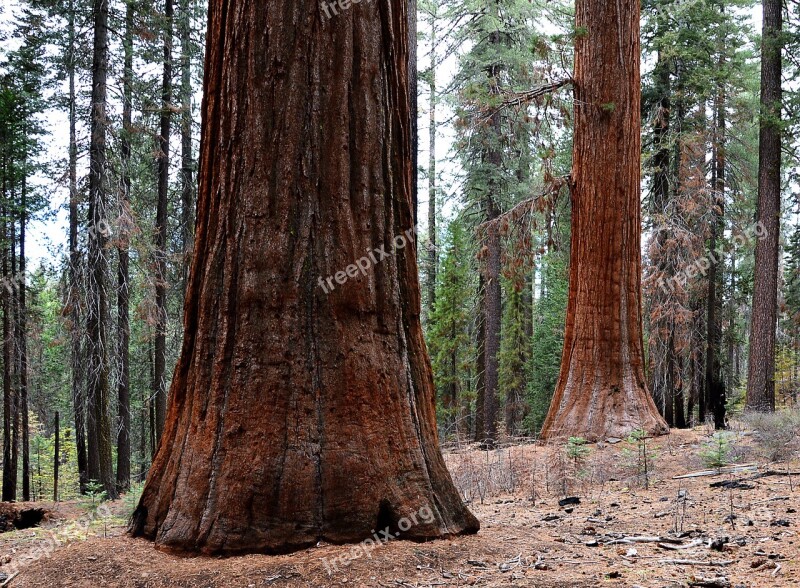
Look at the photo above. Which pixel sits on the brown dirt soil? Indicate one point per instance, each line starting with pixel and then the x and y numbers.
pixel 527 539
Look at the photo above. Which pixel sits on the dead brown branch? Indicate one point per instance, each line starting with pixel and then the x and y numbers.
pixel 537 203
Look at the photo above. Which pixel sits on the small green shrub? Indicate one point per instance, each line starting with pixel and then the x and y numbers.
pixel 577 451
pixel 641 459
pixel 717 452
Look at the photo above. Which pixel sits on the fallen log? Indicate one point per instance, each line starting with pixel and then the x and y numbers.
pixel 721 582
pixel 693 544
pixel 719 471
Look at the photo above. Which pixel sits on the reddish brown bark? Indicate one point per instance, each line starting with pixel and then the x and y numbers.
pixel 601 390
pixel 296 415
pixel 761 367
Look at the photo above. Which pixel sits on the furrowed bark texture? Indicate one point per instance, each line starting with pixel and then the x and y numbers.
pixel 296 415
pixel 101 466
pixel 601 390
pixel 761 367
pixel 123 267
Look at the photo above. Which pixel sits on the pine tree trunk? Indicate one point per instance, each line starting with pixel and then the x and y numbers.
pixel 715 387
pixel 478 432
pixel 100 451
pixel 494 312
pixel 75 287
pixel 123 247
pixel 761 366
pixel 669 381
pixel 601 391
pixel 493 289
pixel 22 348
pixel 16 410
pixel 151 408
pixel 161 227
pixel 9 471
pixel 144 458
pixel 56 456
pixel 262 450
pixel 680 395
pixel 187 163
pixel 432 254
pixel 661 337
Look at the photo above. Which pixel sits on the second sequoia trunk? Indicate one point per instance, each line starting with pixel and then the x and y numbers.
pixel 601 390
pixel 302 407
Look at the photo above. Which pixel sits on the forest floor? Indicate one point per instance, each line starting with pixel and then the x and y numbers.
pixel 634 527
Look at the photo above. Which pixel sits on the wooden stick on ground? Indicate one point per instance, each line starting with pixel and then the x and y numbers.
pixel 695 562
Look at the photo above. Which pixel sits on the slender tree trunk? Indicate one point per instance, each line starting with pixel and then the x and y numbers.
pixel 22 348
pixel 669 380
pixel 696 367
pixel 761 366
pixel 161 227
pixel 74 297
pixel 492 268
pixel 601 391
pixel 479 432
pixel 733 373
pixel 662 337
pixel 432 253
pixel 9 403
pixel 451 401
pixel 680 400
pixel 715 387
pixel 493 319
pixel 56 457
pixel 151 405
pixel 14 370
pixel 144 458
pixel 237 474
pixel 123 246
pixel 187 162
pixel 100 455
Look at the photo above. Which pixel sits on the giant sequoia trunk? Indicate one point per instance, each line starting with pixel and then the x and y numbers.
pixel 601 390
pixel 761 370
pixel 296 414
